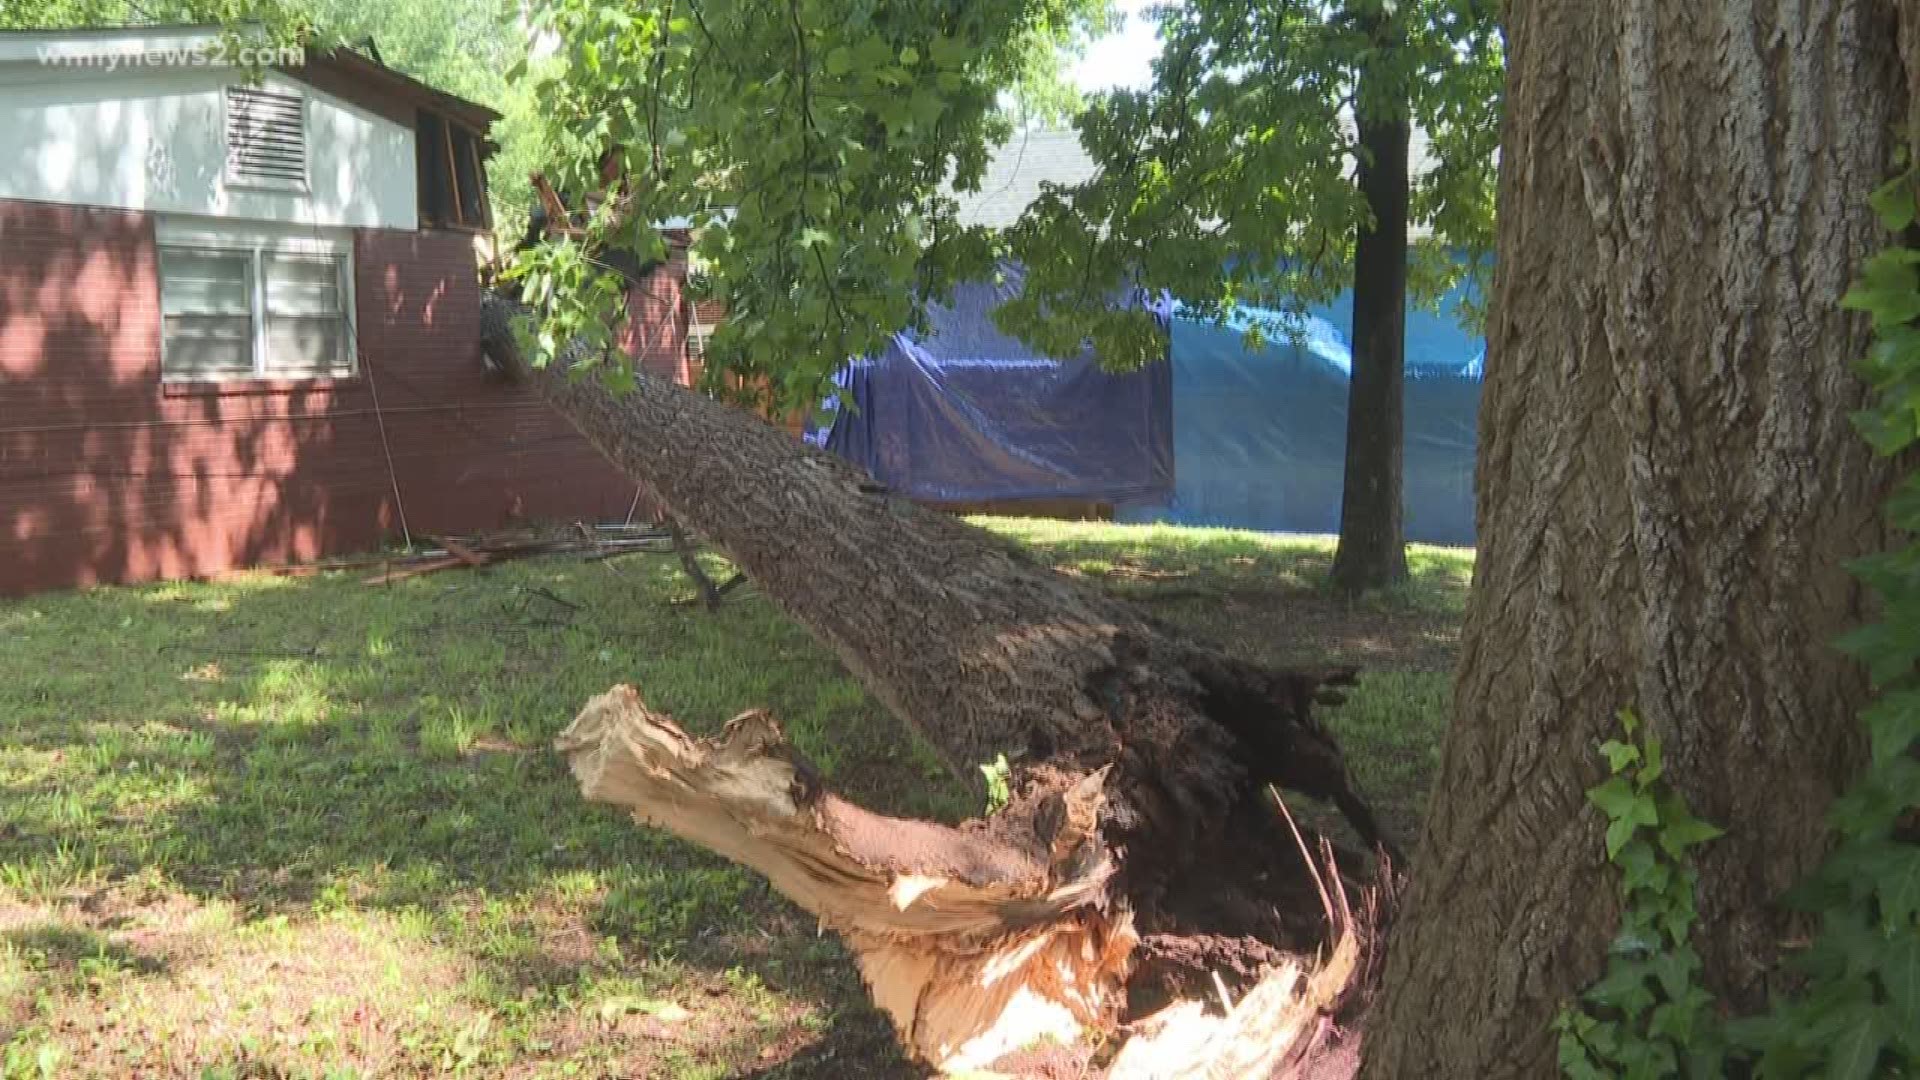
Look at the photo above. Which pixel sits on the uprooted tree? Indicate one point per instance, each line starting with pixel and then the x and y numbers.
pixel 1139 834
pixel 1140 764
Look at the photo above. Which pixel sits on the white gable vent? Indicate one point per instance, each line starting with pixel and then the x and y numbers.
pixel 266 137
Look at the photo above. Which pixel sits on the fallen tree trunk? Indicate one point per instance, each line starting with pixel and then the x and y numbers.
pixel 985 652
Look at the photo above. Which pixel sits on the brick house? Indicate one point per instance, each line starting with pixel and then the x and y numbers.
pixel 238 319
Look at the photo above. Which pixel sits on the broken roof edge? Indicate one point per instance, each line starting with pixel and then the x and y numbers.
pixel 351 61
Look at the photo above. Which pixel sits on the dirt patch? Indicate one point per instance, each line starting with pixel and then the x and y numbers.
pixel 173 987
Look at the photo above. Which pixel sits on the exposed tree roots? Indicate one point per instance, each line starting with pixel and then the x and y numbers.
pixel 983 939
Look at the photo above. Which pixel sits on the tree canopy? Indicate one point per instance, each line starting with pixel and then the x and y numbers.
pixel 810 143
pixel 1230 180
pixel 820 173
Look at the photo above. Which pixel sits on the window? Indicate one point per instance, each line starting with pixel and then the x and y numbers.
pixel 254 312
pixel 453 182
pixel 206 303
pixel 266 137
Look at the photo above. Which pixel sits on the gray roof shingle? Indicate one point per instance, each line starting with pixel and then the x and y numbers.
pixel 1013 177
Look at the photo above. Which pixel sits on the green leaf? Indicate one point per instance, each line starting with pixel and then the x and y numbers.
pixel 1623 987
pixel 1856 1053
pixel 1655 767
pixel 1898 874
pixel 1680 830
pixel 1616 798
pixel 1619 755
pixel 1894 202
pixel 1893 722
pixel 1900 974
pixel 1888 306
pixel 1619 832
pixel 839 60
pixel 1675 969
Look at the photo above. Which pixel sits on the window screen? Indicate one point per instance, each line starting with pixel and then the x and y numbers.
pixel 436 172
pixel 467 174
pixel 306 317
pixel 206 305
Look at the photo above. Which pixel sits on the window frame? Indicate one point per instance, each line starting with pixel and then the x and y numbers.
pixel 441 203
pixel 259 250
pixel 258 183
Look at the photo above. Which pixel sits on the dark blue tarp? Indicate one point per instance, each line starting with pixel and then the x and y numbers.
pixel 1260 435
pixel 965 413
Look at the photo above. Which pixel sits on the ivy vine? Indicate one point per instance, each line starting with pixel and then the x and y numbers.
pixel 1648 1016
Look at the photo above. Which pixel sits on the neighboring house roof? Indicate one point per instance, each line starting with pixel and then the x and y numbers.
pixel 1034 156
pixel 1018 168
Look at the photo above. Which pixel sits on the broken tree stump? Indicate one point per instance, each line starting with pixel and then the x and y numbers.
pixel 978 940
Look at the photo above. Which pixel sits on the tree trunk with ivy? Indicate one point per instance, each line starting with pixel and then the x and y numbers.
pixel 1669 491
pixel 1139 839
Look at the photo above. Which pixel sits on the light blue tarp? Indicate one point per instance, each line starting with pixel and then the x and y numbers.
pixel 1259 436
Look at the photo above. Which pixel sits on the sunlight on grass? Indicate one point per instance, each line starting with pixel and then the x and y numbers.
pixel 303 826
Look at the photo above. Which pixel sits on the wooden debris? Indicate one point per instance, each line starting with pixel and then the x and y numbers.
pixel 974 945
pixel 414 569
pixel 976 941
pixel 464 553
pixel 460 551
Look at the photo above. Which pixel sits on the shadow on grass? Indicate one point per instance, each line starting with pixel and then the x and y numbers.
pixel 322 750
pixel 312 746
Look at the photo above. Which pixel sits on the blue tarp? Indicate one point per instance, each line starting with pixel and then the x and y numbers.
pixel 1223 435
pixel 1260 435
pixel 967 414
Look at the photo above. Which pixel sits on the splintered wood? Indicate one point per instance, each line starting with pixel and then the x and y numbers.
pixel 975 945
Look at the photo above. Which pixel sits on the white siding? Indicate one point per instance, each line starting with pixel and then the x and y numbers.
pixel 154 139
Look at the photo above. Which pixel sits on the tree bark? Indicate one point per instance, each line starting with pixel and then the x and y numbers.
pixel 984 652
pixel 1373 551
pixel 1668 493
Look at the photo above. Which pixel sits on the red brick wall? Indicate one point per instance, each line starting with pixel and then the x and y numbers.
pixel 655 332
pixel 106 476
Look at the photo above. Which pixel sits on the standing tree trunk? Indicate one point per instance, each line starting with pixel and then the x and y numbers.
pixel 1668 493
pixel 1373 551
pixel 1139 762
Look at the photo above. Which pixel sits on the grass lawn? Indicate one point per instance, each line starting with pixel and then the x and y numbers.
pixel 280 827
